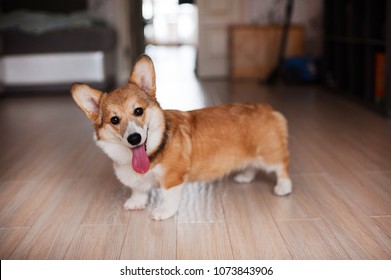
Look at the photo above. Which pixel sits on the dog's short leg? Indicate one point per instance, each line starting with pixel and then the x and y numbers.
pixel 284 183
pixel 169 203
pixel 283 187
pixel 245 176
pixel 137 201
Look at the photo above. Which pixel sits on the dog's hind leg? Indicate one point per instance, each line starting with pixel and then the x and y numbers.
pixel 245 176
pixel 284 183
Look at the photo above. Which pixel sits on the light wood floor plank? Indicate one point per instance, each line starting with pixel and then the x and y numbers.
pixel 252 230
pixel 203 241
pixel 148 240
pixel 201 202
pixel 384 223
pixel 351 227
pixel 53 231
pixel 13 198
pixel 298 205
pixel 371 192
pixel 97 242
pixel 45 241
pixel 302 161
pixel 27 200
pixel 107 207
pixel 9 240
pixel 372 147
pixel 310 239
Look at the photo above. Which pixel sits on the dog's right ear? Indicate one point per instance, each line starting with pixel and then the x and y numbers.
pixel 87 98
pixel 143 75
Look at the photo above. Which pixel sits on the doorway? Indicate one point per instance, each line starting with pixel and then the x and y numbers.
pixel 171 37
pixel 170 22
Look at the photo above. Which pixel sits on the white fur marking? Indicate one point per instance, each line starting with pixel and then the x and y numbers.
pixel 119 153
pixel 245 176
pixel 169 203
pixel 283 187
pixel 137 201
pixel 155 129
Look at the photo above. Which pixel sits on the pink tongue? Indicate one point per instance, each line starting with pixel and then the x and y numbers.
pixel 140 160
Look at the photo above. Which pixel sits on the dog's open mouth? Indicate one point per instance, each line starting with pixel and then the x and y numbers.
pixel 140 160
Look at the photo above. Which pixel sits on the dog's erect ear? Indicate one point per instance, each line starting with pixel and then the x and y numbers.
pixel 143 75
pixel 87 98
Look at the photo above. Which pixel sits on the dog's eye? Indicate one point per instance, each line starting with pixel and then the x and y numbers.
pixel 138 112
pixel 114 120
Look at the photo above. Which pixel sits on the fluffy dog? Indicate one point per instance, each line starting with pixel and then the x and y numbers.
pixel 151 147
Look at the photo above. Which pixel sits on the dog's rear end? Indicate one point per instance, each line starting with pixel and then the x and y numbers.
pixel 235 137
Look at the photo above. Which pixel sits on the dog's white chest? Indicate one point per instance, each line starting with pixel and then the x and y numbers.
pixel 134 180
pixel 123 168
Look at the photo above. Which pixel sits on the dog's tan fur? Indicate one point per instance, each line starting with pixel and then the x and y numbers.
pixel 199 145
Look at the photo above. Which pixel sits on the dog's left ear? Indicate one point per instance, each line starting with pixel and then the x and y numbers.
pixel 143 75
pixel 88 99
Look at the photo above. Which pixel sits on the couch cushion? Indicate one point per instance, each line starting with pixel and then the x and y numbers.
pixel 100 38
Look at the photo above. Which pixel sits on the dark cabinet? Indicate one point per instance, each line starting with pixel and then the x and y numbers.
pixel 357 39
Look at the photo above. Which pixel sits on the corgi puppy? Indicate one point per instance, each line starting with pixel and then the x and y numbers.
pixel 151 147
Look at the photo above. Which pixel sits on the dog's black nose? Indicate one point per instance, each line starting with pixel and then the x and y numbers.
pixel 134 139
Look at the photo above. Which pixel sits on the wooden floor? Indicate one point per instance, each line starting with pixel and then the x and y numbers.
pixel 59 198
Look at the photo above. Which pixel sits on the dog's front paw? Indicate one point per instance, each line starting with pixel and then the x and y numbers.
pixel 163 213
pixel 169 203
pixel 283 187
pixel 137 201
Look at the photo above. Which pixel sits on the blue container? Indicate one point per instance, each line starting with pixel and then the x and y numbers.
pixel 301 69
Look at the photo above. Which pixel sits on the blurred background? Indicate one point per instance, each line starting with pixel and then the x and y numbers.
pixel 47 45
pixel 120 30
